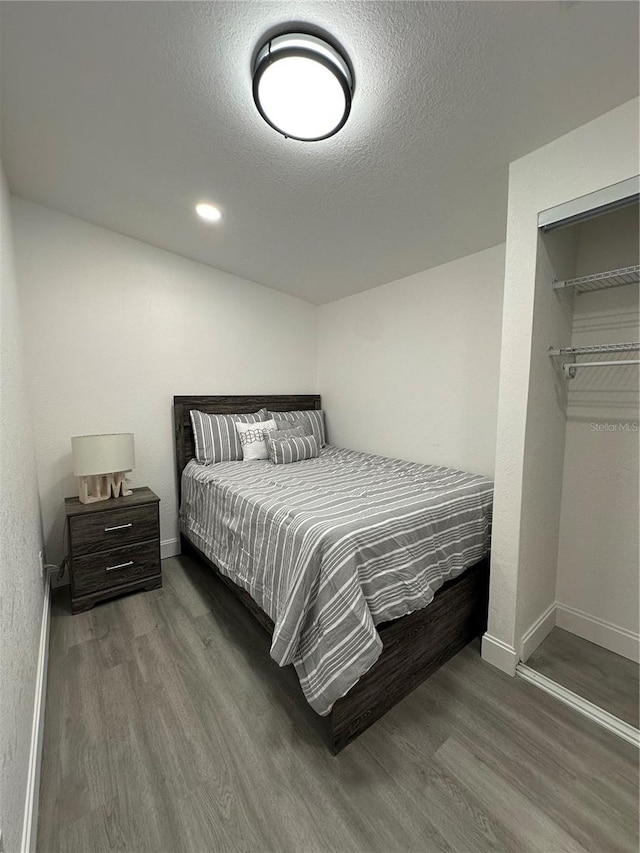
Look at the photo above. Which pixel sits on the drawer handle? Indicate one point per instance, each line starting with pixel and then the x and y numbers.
pixel 119 566
pixel 117 527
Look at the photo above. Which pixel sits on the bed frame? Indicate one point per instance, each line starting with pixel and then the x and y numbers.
pixel 414 646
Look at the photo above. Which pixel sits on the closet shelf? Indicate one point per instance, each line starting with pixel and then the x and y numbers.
pixel 600 280
pixel 631 346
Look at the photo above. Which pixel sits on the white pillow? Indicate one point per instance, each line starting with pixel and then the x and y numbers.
pixel 252 438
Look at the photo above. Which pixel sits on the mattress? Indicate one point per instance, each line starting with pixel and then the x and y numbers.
pixel 333 546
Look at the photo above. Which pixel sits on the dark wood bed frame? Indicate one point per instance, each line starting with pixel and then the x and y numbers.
pixel 414 646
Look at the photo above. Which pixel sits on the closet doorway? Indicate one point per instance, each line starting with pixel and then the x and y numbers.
pixel 592 652
pixel 605 679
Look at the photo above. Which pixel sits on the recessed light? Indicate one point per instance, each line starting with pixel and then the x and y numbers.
pixel 302 86
pixel 208 212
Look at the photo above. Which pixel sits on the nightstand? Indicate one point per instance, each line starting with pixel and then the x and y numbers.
pixel 114 547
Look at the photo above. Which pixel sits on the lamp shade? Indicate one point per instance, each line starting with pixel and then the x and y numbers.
pixel 102 454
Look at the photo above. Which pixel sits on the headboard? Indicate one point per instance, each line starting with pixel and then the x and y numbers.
pixel 185 449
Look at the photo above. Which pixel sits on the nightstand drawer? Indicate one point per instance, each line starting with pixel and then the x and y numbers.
pixel 99 531
pixel 99 571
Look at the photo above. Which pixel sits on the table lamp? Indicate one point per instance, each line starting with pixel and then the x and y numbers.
pixel 100 463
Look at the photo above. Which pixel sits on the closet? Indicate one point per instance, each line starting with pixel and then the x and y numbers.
pixel 592 267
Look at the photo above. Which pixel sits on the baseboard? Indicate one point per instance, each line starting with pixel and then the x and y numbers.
pixel 540 629
pixel 499 654
pixel 169 548
pixel 618 640
pixel 30 824
pixel 587 709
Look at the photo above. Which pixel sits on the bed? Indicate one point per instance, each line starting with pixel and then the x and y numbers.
pixel 353 663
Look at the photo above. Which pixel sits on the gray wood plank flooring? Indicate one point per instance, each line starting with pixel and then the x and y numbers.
pixel 169 728
pixel 598 675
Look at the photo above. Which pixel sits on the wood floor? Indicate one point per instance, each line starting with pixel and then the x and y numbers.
pixel 596 674
pixel 168 728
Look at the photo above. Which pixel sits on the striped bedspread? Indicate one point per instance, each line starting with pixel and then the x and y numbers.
pixel 333 546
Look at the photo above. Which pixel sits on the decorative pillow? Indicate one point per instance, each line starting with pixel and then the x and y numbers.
pixel 305 426
pixel 215 436
pixel 314 418
pixel 252 438
pixel 285 450
pixel 289 431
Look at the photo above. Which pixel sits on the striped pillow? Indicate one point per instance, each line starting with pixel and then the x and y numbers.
pixel 294 449
pixel 313 417
pixel 303 426
pixel 289 431
pixel 215 436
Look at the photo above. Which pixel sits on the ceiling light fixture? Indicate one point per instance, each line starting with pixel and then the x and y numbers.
pixel 208 212
pixel 302 86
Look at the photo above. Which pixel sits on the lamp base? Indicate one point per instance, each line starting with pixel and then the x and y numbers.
pixel 102 487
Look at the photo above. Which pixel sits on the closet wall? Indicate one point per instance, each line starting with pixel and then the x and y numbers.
pixel 597 581
pixel 532 405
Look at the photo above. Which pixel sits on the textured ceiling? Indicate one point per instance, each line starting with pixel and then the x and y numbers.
pixel 126 114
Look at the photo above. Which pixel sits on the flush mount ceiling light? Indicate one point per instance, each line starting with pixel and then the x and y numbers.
pixel 208 212
pixel 302 86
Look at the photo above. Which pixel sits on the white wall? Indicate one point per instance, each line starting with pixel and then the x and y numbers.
pixel 543 459
pixel 21 588
pixel 598 573
pixel 410 369
pixel 114 328
pixel 527 494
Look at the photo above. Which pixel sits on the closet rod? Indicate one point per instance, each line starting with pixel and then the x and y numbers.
pixel 569 369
